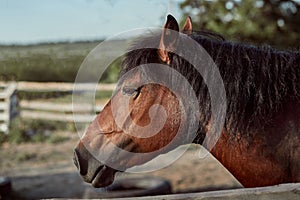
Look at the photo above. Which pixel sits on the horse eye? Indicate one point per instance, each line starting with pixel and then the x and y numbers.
pixel 130 91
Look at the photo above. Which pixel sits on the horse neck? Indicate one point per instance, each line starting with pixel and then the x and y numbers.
pixel 263 157
pixel 276 76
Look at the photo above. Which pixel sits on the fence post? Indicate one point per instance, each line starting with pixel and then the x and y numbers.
pixel 8 105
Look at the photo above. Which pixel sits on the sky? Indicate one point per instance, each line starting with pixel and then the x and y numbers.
pixel 34 21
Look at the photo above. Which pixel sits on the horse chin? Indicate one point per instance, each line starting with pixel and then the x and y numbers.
pixel 104 176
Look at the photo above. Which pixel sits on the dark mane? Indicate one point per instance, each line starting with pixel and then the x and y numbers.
pixel 258 80
pixel 209 35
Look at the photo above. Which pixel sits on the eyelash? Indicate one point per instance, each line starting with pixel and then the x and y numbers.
pixel 130 91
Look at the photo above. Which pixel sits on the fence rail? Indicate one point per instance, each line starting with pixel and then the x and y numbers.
pixel 58 112
pixel 57 117
pixel 62 87
pixel 46 110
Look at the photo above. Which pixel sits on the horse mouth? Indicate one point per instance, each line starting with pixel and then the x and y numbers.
pixel 103 176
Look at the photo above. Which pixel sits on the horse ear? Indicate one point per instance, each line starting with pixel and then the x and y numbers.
pixel 187 27
pixel 168 39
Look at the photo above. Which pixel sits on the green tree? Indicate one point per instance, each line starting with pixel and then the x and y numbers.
pixel 273 22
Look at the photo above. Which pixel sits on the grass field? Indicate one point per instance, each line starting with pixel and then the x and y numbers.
pixel 51 62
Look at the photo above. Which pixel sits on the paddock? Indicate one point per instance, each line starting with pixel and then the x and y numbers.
pixel 56 177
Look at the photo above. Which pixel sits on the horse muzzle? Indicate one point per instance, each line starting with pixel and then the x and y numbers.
pixel 91 170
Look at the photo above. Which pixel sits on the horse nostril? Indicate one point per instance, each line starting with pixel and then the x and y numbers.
pixel 80 163
pixel 75 159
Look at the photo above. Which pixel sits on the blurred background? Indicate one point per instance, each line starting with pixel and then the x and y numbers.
pixel 44 42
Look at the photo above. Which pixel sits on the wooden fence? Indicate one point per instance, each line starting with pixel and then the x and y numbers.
pixel 61 87
pixel 8 105
pixel 289 191
pixel 60 111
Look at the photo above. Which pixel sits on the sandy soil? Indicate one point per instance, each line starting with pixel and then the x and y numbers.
pixel 44 170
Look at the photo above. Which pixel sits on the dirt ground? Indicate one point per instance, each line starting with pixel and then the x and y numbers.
pixel 44 170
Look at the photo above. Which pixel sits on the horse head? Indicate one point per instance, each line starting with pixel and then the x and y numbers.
pixel 137 122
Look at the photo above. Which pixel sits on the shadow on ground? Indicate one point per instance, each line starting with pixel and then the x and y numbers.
pixel 62 185
pixel 70 185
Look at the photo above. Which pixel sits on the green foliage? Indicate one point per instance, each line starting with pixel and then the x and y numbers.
pixel 50 62
pixel 2 138
pixel 25 156
pixel 22 130
pixel 53 139
pixel 33 95
pixel 253 21
pixel 17 133
pixel 103 94
pixel 37 68
pixel 57 97
pixel 111 75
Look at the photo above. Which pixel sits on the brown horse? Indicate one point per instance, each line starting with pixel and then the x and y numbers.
pixel 260 140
